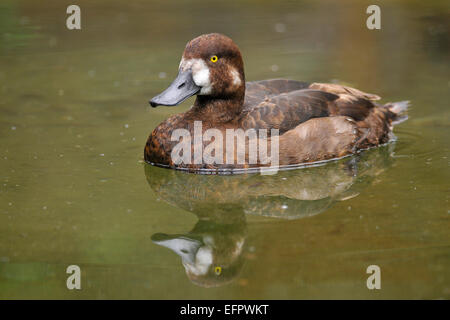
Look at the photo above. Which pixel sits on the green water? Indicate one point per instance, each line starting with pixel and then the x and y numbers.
pixel 74 119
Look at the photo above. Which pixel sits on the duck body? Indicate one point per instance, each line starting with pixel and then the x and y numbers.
pixel 309 122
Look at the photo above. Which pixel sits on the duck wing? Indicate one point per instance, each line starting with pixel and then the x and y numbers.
pixel 284 104
pixel 287 110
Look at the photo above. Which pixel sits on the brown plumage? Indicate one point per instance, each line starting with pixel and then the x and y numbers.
pixel 316 121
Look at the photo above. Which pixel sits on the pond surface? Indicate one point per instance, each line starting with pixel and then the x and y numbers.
pixel 74 190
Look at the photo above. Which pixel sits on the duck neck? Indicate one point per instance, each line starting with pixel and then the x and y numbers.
pixel 219 109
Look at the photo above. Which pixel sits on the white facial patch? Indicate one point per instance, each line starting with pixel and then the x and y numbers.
pixel 200 74
pixel 203 261
pixel 236 77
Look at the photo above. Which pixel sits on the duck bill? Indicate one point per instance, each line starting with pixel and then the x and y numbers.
pixel 182 245
pixel 179 90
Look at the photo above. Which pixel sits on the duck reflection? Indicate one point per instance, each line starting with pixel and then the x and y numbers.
pixel 212 253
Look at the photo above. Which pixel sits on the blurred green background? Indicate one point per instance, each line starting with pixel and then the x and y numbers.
pixel 74 119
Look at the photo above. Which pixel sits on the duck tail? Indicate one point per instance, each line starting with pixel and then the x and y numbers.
pixel 397 111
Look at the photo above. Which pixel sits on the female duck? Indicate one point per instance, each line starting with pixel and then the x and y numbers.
pixel 295 122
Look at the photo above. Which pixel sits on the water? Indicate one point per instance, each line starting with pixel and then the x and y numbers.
pixel 74 190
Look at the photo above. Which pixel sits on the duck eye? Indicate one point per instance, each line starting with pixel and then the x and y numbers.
pixel 214 59
pixel 218 270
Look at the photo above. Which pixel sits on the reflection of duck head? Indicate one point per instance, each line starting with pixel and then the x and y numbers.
pixel 212 253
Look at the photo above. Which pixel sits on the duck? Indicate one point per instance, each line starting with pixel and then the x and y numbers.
pixel 299 122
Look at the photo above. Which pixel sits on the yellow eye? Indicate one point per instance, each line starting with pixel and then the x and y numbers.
pixel 214 59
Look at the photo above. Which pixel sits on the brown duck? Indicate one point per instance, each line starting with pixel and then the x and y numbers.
pixel 312 122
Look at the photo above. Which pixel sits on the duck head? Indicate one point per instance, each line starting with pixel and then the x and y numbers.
pixel 211 67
